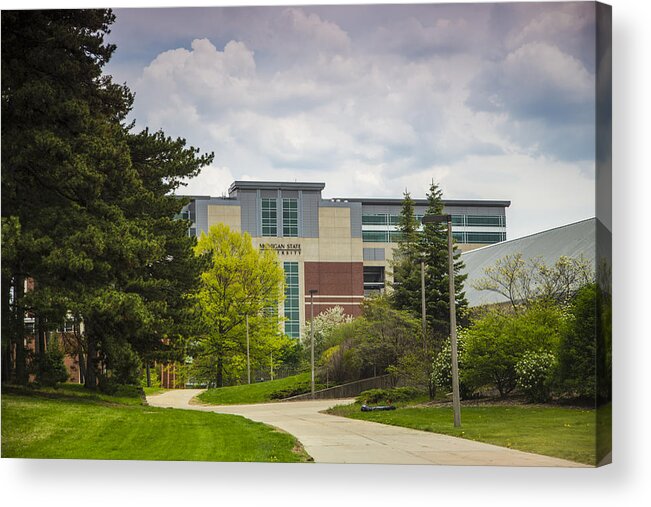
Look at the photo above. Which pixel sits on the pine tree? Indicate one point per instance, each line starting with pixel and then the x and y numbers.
pixel 406 260
pixel 434 245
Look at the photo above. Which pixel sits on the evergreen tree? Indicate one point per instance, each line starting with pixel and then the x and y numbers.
pixel 434 245
pixel 406 260
pixel 87 203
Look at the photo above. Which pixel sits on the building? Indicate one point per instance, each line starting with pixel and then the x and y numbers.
pixel 574 240
pixel 341 248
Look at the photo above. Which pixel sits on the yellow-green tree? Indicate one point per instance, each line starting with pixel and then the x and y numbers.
pixel 240 282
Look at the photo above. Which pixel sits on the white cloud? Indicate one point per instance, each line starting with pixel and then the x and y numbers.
pixel 312 104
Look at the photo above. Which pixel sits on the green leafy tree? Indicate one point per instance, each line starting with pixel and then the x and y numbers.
pixel 325 324
pixel 496 341
pixel 523 282
pixel 239 281
pixel 578 345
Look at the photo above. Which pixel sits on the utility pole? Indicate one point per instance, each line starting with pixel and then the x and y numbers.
pixel 312 292
pixel 456 400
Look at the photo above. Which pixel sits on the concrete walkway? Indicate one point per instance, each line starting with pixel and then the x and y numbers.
pixel 332 439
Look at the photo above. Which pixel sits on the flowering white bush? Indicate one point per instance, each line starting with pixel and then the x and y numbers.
pixel 535 372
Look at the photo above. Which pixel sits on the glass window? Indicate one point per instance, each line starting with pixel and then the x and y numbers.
pixel 374 219
pixel 269 217
pixel 485 221
pixel 486 237
pixel 458 220
pixel 375 236
pixel 290 217
pixel 291 306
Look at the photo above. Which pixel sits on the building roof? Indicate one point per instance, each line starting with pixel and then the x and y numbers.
pixel 572 240
pixel 423 202
pixel 275 185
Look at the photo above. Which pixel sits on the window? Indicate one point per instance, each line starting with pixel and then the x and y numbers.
pixel 373 279
pixel 485 237
pixel 485 221
pixel 375 236
pixel 269 217
pixel 290 217
pixel 374 220
pixel 292 322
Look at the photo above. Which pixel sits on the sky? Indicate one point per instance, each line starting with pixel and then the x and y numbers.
pixel 490 101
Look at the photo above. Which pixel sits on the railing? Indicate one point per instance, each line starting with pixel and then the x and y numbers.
pixel 349 390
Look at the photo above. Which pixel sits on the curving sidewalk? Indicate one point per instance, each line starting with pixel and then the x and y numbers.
pixel 333 439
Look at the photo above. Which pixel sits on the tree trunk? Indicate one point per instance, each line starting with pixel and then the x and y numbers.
pixel 91 372
pixel 19 337
pixel 220 371
pixel 148 374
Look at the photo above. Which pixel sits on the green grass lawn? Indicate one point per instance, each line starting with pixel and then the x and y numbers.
pixel 70 423
pixel 152 391
pixel 567 433
pixel 258 392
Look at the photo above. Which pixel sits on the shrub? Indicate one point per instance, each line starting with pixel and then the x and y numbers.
pixel 442 367
pixel 577 352
pixel 386 396
pixel 50 366
pixel 295 390
pixel 498 340
pixel 535 373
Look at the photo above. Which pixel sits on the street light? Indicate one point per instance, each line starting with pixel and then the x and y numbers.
pixel 248 356
pixel 312 292
pixel 456 402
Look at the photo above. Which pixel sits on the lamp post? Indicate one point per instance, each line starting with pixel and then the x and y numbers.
pixel 312 292
pixel 422 303
pixel 248 356
pixel 456 402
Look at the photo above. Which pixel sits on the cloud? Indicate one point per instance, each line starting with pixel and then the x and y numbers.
pixel 373 104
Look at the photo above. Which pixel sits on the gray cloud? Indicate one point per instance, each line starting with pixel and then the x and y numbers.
pixel 372 99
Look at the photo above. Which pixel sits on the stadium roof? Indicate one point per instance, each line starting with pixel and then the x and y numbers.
pixel 572 240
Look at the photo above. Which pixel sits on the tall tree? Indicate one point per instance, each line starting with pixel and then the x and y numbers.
pixel 91 200
pixel 406 259
pixel 239 281
pixel 60 120
pixel 434 245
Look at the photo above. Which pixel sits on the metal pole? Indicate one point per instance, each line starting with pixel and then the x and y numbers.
pixel 312 337
pixel 456 401
pixel 423 311
pixel 248 357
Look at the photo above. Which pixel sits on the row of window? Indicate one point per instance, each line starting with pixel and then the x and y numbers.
pixel 463 220
pixel 460 237
pixel 292 300
pixel 269 210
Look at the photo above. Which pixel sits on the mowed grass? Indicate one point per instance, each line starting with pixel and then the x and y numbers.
pixel 567 433
pixel 61 425
pixel 259 392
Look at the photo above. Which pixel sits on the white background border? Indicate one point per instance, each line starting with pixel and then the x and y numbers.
pixel 625 482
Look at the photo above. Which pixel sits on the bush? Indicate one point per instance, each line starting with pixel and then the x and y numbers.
pixel 577 352
pixel 387 396
pixel 295 390
pixel 498 340
pixel 535 373
pixel 50 366
pixel 442 367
